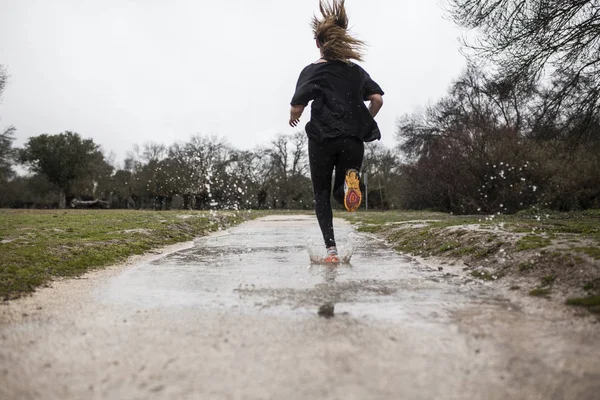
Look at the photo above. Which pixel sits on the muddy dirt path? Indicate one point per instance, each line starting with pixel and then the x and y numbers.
pixel 234 316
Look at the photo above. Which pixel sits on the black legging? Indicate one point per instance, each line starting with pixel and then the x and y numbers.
pixel 342 153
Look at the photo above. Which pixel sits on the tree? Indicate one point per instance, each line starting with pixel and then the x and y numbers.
pixel 65 159
pixel 382 165
pixel 468 152
pixel 6 155
pixel 558 40
pixel 288 162
pixel 208 159
pixel 32 191
pixel 254 173
pixel 6 139
pixel 149 173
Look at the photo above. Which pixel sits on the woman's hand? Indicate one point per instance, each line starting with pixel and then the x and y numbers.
pixel 295 114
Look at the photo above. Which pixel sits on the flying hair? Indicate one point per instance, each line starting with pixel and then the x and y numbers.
pixel 331 31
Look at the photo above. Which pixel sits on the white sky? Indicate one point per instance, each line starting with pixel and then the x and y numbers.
pixel 130 71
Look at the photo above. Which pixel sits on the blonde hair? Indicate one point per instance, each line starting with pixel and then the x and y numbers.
pixel 331 31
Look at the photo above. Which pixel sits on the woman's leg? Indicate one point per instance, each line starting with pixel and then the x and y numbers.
pixel 322 161
pixel 349 156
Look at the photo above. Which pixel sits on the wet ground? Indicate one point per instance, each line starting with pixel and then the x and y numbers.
pixel 244 315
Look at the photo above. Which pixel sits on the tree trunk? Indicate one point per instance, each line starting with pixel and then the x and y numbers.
pixel 62 199
pixel 131 204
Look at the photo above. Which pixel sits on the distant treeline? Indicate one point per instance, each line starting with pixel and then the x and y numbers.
pixel 520 128
pixel 202 173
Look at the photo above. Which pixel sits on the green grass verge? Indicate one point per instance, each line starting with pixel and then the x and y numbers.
pixel 531 242
pixel 552 249
pixel 438 234
pixel 540 292
pixel 593 252
pixel 592 303
pixel 37 246
pixel 426 233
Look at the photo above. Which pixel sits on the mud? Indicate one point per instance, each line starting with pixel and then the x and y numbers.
pixel 244 314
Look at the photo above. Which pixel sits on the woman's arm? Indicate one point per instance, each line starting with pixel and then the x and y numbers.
pixel 295 114
pixel 376 104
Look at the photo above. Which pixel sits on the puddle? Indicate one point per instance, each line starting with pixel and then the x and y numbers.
pixel 266 267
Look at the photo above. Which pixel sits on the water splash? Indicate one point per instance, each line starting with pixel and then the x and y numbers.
pixel 317 253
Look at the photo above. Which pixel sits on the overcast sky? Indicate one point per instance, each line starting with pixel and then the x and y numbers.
pixel 130 71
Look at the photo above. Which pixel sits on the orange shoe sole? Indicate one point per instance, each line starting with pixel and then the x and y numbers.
pixel 332 260
pixel 353 195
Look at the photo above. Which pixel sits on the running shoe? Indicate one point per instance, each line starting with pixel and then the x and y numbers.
pixel 332 259
pixel 332 256
pixel 352 194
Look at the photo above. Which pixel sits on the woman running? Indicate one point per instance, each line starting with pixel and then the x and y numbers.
pixel 340 121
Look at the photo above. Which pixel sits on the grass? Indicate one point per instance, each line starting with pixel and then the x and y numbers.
pixel 483 275
pixel 548 280
pixel 592 303
pixel 531 242
pixel 526 266
pixel 592 285
pixel 593 252
pixel 391 217
pixel 553 250
pixel 38 246
pixel 586 223
pixel 540 292
pixel 428 233
pixel 425 233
